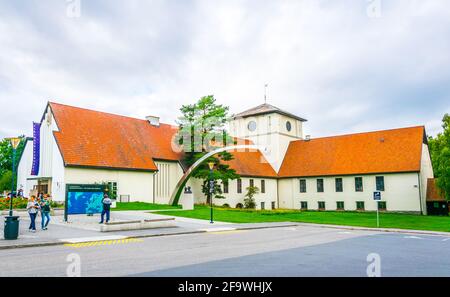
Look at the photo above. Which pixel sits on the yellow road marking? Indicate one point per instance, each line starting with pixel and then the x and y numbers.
pixel 103 242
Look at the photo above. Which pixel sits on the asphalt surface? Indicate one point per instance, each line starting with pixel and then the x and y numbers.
pixel 287 251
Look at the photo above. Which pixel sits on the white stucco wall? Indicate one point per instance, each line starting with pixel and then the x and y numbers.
pixel 47 144
pixel 232 198
pixel 166 179
pixel 58 174
pixel 137 184
pixel 401 192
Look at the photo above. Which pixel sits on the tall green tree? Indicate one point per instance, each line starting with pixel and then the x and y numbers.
pixel 201 129
pixel 440 156
pixel 6 153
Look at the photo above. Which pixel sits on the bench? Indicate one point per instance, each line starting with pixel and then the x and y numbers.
pixel 138 225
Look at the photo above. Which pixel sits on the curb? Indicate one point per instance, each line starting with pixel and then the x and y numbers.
pixel 387 230
pixel 29 245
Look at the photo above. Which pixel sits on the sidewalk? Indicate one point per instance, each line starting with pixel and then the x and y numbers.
pixel 87 228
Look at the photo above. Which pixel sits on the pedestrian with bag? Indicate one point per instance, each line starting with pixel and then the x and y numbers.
pixel 32 208
pixel 45 212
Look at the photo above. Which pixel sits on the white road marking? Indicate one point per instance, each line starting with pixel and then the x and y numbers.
pixel 412 237
pixel 218 229
pixel 345 232
pixel 446 239
pixel 27 236
pixel 94 238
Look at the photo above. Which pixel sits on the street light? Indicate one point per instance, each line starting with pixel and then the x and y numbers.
pixel 11 226
pixel 211 188
pixel 14 143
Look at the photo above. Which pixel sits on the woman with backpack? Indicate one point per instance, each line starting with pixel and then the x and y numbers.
pixel 32 208
pixel 45 212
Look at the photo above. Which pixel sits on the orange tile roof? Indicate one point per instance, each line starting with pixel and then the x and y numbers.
pixel 397 150
pixel 97 139
pixel 250 162
pixel 433 192
pixel 89 138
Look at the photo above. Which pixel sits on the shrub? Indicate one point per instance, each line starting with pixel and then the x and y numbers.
pixel 249 202
pixel 18 203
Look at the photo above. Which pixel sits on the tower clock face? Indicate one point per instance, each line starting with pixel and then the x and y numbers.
pixel 251 126
pixel 288 126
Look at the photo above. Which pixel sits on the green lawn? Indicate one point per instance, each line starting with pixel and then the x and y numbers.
pixel 363 219
pixel 142 206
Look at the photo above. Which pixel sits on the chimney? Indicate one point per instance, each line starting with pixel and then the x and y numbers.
pixel 307 137
pixel 154 121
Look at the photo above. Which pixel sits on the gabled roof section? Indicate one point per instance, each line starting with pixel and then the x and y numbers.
pixel 266 109
pixel 89 138
pixel 388 151
pixel 251 163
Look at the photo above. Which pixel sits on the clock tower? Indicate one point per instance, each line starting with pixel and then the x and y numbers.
pixel 269 127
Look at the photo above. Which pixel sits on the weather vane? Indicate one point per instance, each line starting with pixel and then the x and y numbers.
pixel 265 93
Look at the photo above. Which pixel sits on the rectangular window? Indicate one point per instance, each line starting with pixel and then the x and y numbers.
pixel 263 186
pixel 304 205
pixel 340 205
pixel 320 185
pixel 358 184
pixel 263 205
pixel 303 186
pixel 380 183
pixel 360 205
pixel 239 186
pixel 273 205
pixel 381 205
pixel 112 190
pixel 321 205
pixel 252 183
pixel 225 187
pixel 339 187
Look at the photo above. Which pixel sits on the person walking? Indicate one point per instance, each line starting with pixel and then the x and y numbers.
pixel 106 201
pixel 45 212
pixel 32 208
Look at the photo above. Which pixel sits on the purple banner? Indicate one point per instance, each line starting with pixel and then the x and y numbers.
pixel 36 148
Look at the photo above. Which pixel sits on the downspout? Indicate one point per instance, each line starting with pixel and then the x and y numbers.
pixel 278 193
pixel 420 193
pixel 154 174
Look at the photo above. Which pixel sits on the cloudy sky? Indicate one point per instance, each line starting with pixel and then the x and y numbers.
pixel 346 66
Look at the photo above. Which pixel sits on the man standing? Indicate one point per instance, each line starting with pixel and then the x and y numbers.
pixel 106 208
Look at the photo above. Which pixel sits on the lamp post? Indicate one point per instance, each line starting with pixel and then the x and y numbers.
pixel 11 227
pixel 14 143
pixel 211 188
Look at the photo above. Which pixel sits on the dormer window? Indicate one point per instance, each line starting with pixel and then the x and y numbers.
pixel 251 126
pixel 288 126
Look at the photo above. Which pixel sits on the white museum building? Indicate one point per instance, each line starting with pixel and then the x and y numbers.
pixel 293 171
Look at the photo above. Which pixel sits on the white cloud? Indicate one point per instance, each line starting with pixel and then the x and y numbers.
pixel 324 60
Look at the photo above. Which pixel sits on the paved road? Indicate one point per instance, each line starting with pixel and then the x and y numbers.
pixel 287 251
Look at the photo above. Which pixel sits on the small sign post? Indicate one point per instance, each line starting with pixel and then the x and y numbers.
pixel 377 197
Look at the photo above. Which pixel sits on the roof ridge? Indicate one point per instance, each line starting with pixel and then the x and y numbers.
pixel 360 133
pixel 104 112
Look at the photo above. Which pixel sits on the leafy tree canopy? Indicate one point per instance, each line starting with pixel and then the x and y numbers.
pixel 202 128
pixel 440 156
